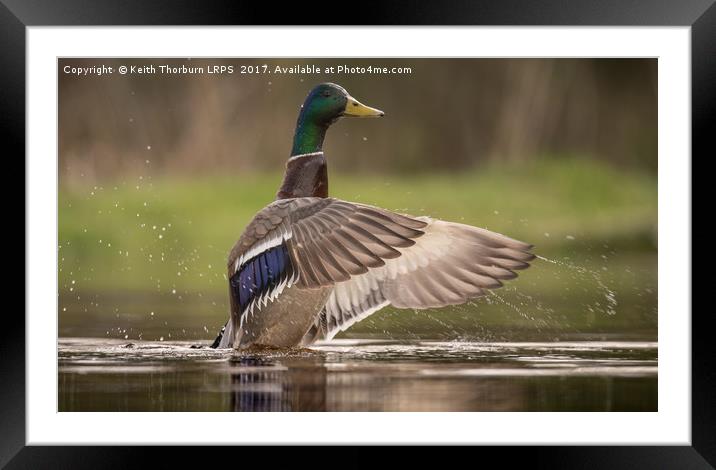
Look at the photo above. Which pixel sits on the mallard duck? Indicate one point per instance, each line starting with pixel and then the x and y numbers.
pixel 309 266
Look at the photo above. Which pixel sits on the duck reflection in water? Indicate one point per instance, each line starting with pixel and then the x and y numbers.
pixel 267 384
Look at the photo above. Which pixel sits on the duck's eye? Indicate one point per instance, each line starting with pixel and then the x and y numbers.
pixel 326 94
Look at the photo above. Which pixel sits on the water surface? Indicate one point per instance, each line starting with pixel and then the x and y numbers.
pixel 100 374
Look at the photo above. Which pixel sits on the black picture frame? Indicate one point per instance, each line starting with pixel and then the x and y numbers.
pixel 700 15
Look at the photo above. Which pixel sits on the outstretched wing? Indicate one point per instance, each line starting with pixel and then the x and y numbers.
pixel 450 264
pixel 371 256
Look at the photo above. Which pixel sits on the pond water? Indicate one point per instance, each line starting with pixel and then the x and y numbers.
pixel 101 374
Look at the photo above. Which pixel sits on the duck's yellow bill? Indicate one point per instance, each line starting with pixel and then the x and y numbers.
pixel 357 109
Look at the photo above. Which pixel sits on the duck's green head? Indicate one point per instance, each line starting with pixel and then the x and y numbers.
pixel 328 102
pixel 324 105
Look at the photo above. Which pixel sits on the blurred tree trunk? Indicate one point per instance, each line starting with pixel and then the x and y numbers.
pixel 527 112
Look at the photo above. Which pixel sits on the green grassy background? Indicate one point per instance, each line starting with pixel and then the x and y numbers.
pixel 145 257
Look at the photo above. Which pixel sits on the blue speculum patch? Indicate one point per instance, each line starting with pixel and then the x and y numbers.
pixel 261 274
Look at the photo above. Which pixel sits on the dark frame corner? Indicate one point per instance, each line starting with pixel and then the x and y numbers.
pixel 16 15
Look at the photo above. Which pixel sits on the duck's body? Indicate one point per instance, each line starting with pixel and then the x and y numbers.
pixel 308 266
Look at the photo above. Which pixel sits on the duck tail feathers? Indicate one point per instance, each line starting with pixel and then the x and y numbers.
pixel 224 339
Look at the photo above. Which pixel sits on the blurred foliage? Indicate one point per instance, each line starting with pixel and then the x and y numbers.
pixel 446 115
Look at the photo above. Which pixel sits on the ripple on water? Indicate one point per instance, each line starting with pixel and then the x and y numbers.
pixel 359 375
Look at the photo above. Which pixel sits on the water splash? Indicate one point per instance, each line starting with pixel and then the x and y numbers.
pixel 512 306
pixel 609 294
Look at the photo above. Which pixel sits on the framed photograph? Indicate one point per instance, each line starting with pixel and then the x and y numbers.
pixel 476 231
